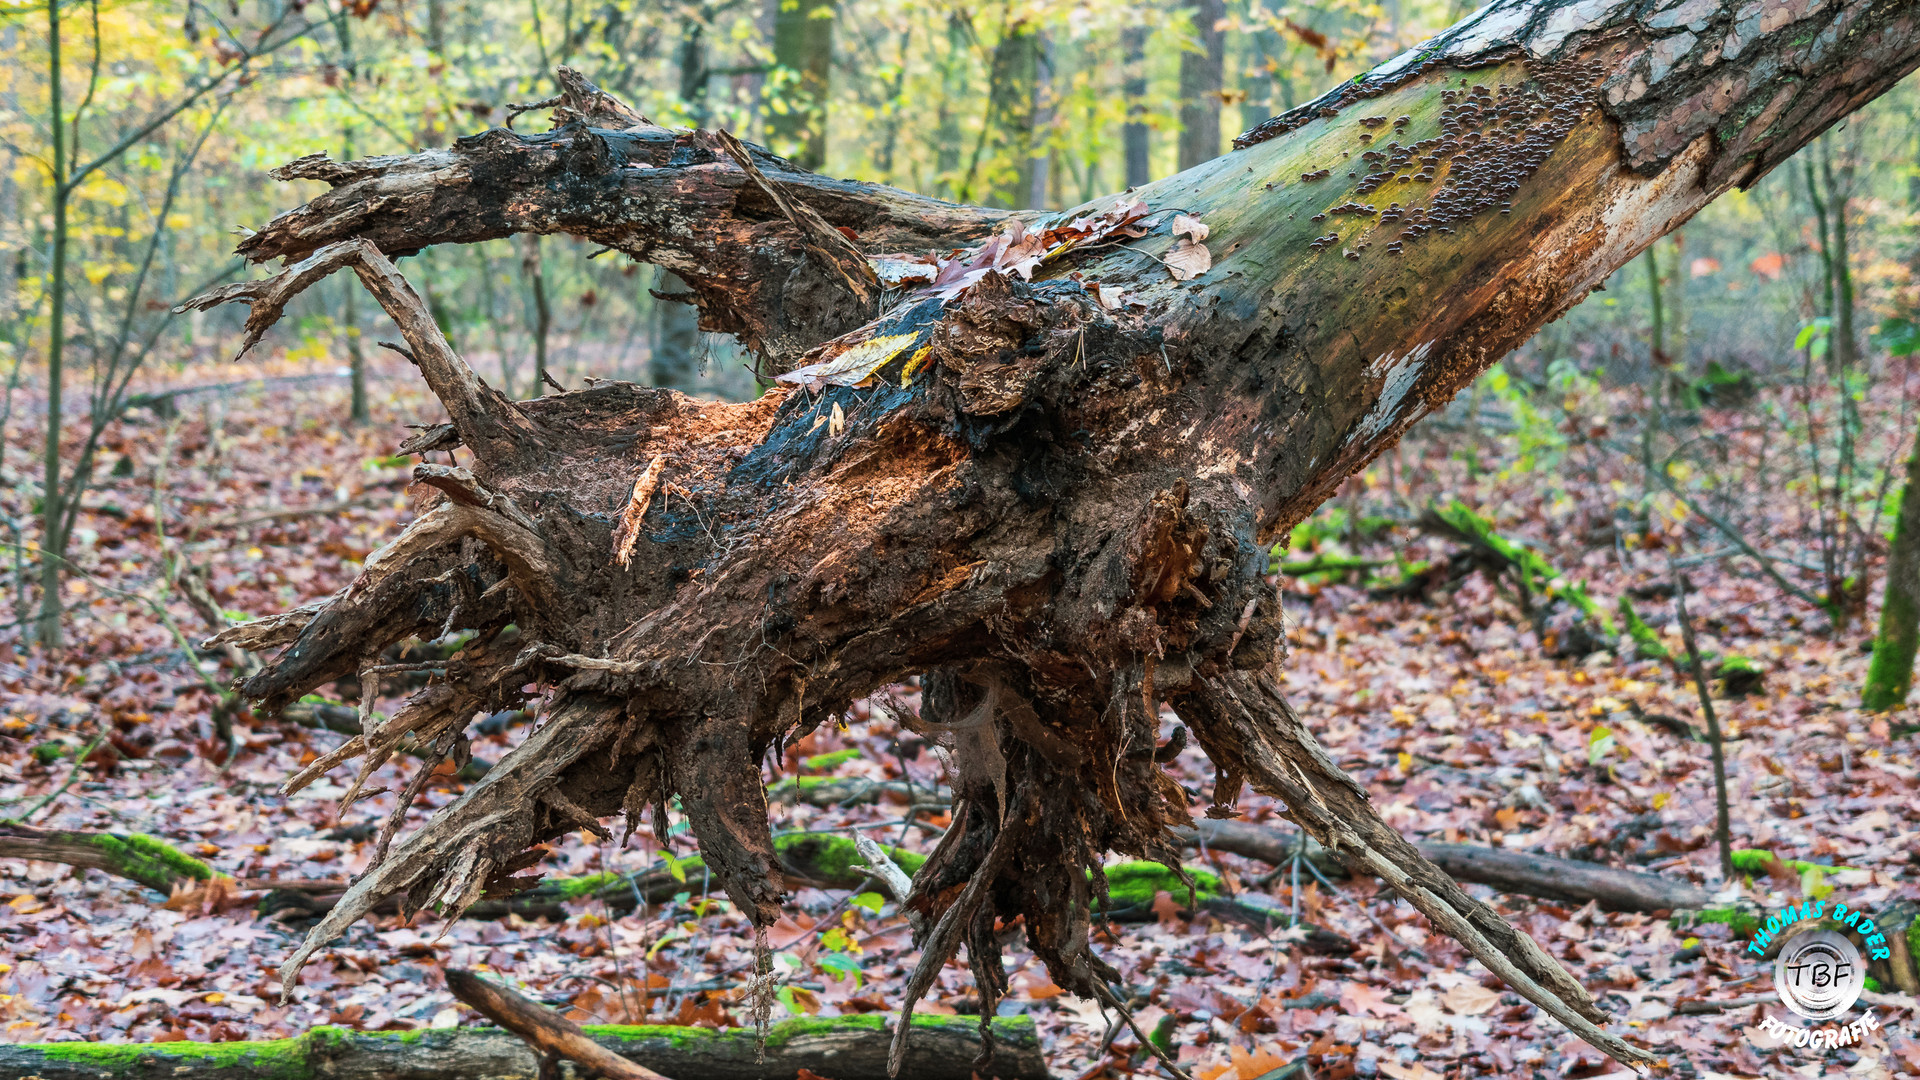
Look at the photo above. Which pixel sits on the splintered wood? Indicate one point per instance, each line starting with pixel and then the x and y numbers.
pixel 628 534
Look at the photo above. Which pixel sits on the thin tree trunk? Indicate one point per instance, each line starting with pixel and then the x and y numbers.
pixel 1060 506
pixel 803 47
pixel 1134 134
pixel 356 356
pixel 1201 80
pixel 53 542
pixel 533 266
pixel 1890 675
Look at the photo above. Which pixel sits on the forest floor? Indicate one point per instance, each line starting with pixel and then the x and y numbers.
pixel 1444 704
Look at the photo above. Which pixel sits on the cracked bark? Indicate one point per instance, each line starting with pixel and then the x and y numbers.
pixel 1064 514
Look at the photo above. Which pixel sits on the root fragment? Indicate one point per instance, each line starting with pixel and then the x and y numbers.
pixel 1247 727
pixel 628 534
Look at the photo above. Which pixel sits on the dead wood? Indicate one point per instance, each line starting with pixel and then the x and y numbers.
pixel 1544 876
pixel 847 1048
pixel 1047 481
pixel 550 1035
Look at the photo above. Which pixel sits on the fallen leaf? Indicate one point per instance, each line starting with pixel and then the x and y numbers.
pixel 1189 226
pixel 1414 1071
pixel 1188 259
pixel 1470 999
pixel 1358 998
pixel 853 365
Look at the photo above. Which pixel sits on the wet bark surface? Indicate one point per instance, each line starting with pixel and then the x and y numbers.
pixel 1055 497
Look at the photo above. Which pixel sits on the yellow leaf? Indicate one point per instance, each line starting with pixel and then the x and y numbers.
pixel 1661 799
pixel 914 365
pixel 853 366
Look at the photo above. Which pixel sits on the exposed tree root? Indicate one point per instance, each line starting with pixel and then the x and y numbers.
pixel 1053 494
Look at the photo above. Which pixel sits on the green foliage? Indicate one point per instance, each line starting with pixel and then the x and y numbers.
pixel 1539 577
pixel 1646 642
pixel 1900 336
pixel 823 762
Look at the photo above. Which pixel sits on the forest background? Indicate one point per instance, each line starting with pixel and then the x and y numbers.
pixel 1733 415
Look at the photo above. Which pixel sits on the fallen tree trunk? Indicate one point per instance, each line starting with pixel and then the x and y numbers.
pixel 1044 471
pixel 847 1048
pixel 1544 876
pixel 137 857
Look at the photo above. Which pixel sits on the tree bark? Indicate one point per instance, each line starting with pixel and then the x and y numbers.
pixel 1062 504
pixel 846 1048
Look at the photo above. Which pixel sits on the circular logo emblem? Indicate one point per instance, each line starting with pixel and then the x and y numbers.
pixel 1819 975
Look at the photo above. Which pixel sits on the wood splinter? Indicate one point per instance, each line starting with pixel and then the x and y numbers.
pixel 628 534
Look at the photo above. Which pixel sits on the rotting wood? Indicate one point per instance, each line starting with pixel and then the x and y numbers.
pixel 1054 498
pixel 846 1048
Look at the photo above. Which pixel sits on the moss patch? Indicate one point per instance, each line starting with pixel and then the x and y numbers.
pixel 273 1059
pixel 1646 642
pixel 150 861
pixel 1017 1030
pixel 1133 884
pixel 1740 921
pixel 1754 861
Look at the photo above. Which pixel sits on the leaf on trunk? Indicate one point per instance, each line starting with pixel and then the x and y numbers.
pixel 854 365
pixel 1190 226
pixel 1188 259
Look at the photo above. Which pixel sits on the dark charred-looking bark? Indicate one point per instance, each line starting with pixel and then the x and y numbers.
pixel 1057 497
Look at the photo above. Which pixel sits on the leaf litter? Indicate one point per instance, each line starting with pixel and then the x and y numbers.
pixel 1446 707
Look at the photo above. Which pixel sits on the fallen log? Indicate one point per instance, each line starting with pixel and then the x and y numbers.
pixel 844 1048
pixel 1545 876
pixel 547 1033
pixel 135 856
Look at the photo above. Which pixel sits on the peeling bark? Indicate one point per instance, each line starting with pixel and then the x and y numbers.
pixel 1055 498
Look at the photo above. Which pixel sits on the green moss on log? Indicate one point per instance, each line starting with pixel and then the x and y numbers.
pixel 272 1059
pixel 1646 641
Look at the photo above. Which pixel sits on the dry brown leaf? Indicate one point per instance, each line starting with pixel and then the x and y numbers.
pixel 1189 226
pixel 1470 999
pixel 1188 259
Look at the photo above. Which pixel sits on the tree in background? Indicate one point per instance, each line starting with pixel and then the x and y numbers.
pixel 1139 167
pixel 1890 675
pixel 803 59
pixel 117 351
pixel 1202 73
